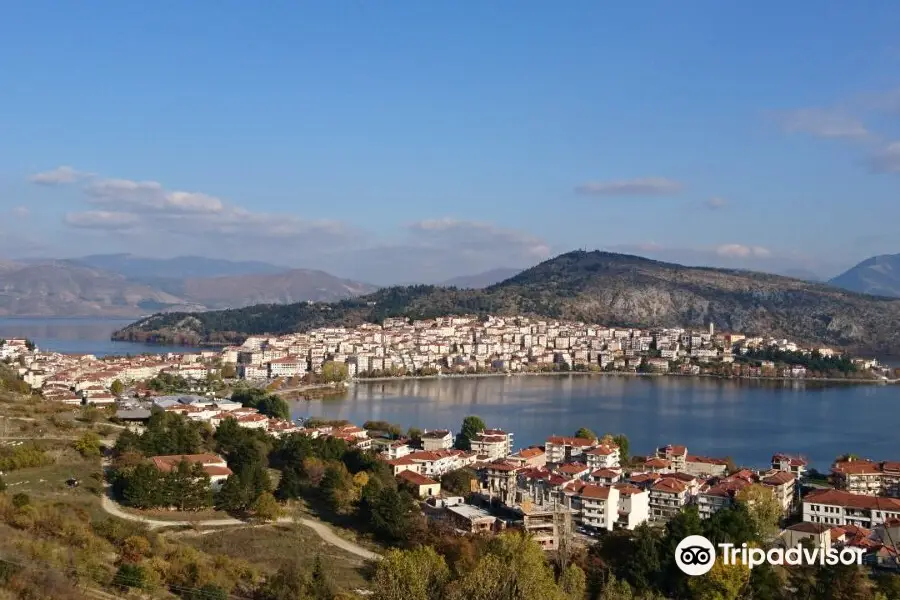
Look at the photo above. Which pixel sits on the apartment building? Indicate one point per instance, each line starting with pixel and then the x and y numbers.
pixel 438 439
pixel 561 449
pixel 604 456
pixel 784 486
pixel 858 477
pixel 676 455
pixel 704 466
pixel 634 506
pixel 599 507
pixel 838 507
pixel 790 464
pixel 667 497
pixel 493 443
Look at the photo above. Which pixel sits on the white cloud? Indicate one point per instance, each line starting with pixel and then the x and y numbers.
pixel 478 237
pixel 716 203
pixel 58 176
pixel 822 122
pixel 885 160
pixel 102 219
pixel 150 196
pixel 647 186
pixel 741 251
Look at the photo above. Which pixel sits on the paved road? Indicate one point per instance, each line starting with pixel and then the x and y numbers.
pixel 322 530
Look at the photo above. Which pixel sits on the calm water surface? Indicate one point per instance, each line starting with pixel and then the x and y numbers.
pixel 745 420
pixel 77 336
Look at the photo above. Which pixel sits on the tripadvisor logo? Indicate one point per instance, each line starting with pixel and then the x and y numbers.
pixel 695 555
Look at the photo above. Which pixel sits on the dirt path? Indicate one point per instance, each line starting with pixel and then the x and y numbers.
pixel 322 530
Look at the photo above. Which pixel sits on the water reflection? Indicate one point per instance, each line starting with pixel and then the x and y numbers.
pixel 744 419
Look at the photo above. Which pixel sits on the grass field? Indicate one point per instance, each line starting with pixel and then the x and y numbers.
pixel 273 546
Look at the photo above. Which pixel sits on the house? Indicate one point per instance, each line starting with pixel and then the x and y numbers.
pixel 404 463
pixel 667 497
pixel 658 465
pixel 423 487
pixel 606 476
pixel 713 498
pixel 561 449
pixel 215 466
pixel 818 534
pixel 604 456
pixel 790 464
pixel 529 457
pixel 439 439
pixel 289 366
pixel 435 463
pixel 676 455
pixel 253 421
pixel 599 507
pixel 471 519
pixel 573 470
pixel 634 506
pixel 838 507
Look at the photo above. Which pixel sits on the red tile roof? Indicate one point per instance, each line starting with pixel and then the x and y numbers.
pixel 595 492
pixel 848 500
pixel 416 479
pixel 570 441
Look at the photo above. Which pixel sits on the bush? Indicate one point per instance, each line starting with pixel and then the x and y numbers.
pixel 19 500
pixel 130 576
pixel 23 457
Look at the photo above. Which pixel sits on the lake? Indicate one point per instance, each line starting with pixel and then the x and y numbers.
pixel 77 335
pixel 746 420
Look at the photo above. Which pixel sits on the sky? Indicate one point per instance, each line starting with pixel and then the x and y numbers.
pixel 416 141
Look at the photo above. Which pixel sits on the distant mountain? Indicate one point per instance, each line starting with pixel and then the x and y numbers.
pixel 59 288
pixel 802 274
pixel 68 288
pixel 879 275
pixel 297 285
pixel 598 287
pixel 481 280
pixel 181 267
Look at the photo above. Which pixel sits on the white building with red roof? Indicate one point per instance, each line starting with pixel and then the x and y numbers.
pixel 215 466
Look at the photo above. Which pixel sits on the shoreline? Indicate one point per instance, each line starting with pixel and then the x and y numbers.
pixel 359 380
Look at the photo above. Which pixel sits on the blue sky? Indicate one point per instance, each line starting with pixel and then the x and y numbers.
pixel 404 140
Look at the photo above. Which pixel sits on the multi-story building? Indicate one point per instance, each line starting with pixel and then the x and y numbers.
pixel 439 439
pixel 790 464
pixel 676 455
pixel 604 456
pixel 858 477
pixel 704 466
pixel 561 449
pixel 599 507
pixel 784 486
pixel 634 506
pixel 837 507
pixel 493 443
pixel 667 497
pixel 289 366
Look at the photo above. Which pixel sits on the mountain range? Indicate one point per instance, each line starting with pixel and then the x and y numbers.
pixel 879 275
pixel 123 285
pixel 599 287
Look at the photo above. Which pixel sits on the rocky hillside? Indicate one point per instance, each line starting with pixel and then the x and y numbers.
pixel 70 289
pixel 879 275
pixel 298 285
pixel 61 289
pixel 598 287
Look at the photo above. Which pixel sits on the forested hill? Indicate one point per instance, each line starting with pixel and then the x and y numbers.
pixel 598 287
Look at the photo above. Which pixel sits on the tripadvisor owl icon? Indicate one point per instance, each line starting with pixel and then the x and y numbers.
pixel 695 555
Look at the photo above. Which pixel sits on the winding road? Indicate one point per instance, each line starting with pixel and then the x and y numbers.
pixel 322 530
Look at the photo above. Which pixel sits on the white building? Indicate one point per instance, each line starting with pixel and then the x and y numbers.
pixel 836 507
pixel 493 443
pixel 439 439
pixel 634 506
pixel 604 456
pixel 599 507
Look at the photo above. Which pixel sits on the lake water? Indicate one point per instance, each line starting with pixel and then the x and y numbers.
pixel 78 335
pixel 746 420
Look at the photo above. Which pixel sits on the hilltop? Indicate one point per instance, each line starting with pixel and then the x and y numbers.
pixel 877 275
pixel 602 287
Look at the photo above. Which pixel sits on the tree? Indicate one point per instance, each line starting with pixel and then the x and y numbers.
pixel 141 487
pixel 458 481
pixel 586 434
pixel 134 548
pixel 88 445
pixel 573 583
pixel 266 508
pixel 414 434
pixel 228 371
pixel 723 582
pixel 337 488
pixel 275 407
pixel 333 372
pixel 514 567
pixel 187 487
pixel 471 426
pixel 418 574
pixel 621 440
pixel 388 511
pixel 843 582
pixel 2 485
pixel 763 508
pixel 116 387
pixel 130 576
pixel 320 584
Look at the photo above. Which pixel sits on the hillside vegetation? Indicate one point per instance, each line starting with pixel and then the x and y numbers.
pixel 597 287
